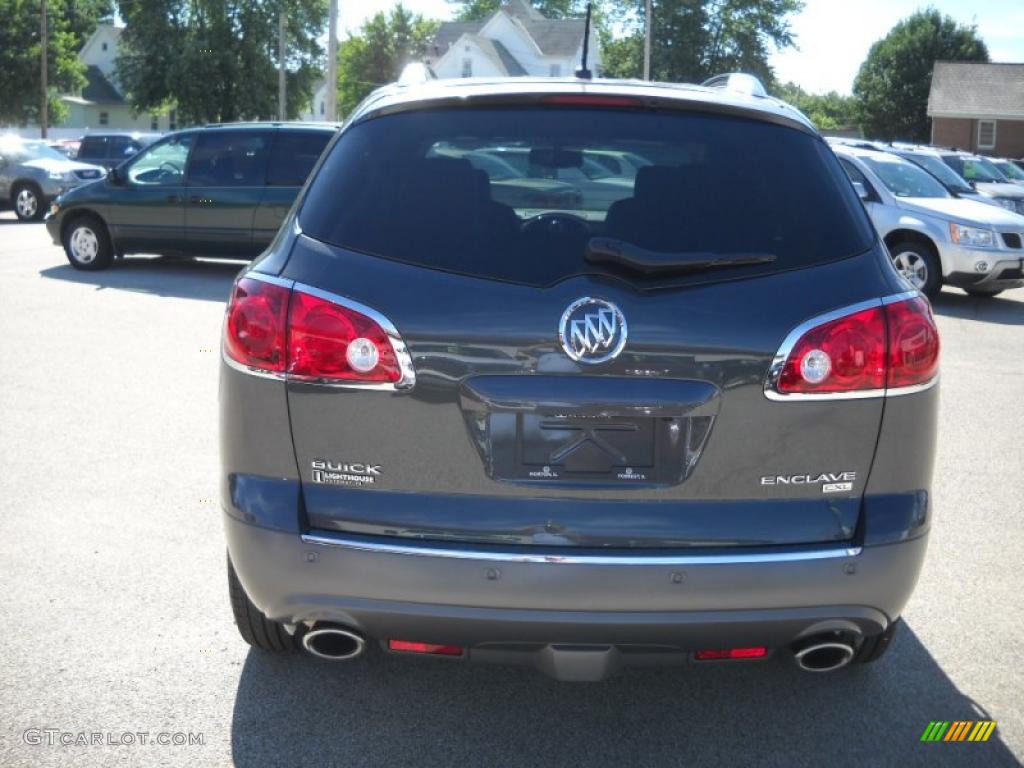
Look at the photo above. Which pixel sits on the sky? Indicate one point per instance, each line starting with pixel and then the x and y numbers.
pixel 832 36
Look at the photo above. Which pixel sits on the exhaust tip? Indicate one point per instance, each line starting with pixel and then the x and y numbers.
pixel 824 656
pixel 333 643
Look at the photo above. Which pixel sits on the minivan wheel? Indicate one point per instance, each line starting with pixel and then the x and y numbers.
pixel 255 628
pixel 917 263
pixel 87 244
pixel 981 293
pixel 28 204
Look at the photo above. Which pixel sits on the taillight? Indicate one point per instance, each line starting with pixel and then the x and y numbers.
pixel 913 343
pixel 867 351
pixel 303 335
pixel 330 341
pixel 255 335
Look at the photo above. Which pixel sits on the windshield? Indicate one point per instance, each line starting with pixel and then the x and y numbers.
pixel 1009 170
pixel 24 151
pixel 904 179
pixel 939 170
pixel 975 169
pixel 516 194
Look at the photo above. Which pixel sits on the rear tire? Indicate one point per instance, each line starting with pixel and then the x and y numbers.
pixel 982 293
pixel 873 648
pixel 255 628
pixel 27 202
pixel 919 265
pixel 87 244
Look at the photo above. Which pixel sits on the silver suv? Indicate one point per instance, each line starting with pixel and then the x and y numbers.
pixel 32 174
pixel 934 238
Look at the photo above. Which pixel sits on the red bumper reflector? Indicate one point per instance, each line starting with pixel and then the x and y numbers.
pixel 756 652
pixel 407 646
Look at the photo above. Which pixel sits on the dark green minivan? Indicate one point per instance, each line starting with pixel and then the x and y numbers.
pixel 220 190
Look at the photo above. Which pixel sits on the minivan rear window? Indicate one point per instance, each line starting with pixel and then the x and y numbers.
pixel 516 193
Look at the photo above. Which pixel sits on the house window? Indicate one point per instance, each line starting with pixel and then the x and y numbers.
pixel 104 46
pixel 467 67
pixel 321 107
pixel 172 120
pixel 154 122
pixel 556 70
pixel 986 134
pixel 104 118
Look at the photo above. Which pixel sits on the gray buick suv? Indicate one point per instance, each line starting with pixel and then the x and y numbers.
pixel 689 420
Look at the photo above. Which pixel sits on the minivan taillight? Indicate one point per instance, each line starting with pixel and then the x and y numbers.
pixel 299 334
pixel 869 350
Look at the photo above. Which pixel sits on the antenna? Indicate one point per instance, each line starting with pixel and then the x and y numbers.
pixel 583 72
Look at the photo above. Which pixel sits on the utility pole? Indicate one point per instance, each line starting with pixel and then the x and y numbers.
pixel 331 107
pixel 282 86
pixel 44 104
pixel 647 40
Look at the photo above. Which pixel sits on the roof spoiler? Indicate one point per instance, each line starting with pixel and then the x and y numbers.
pixel 737 82
pixel 416 73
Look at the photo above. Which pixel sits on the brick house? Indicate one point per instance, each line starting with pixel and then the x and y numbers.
pixel 978 107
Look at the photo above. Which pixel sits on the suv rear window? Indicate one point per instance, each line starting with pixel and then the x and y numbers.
pixel 515 194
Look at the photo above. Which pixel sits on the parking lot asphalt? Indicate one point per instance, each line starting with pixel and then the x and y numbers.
pixel 116 617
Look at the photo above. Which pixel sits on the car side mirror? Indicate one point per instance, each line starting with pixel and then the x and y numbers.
pixel 114 176
pixel 861 190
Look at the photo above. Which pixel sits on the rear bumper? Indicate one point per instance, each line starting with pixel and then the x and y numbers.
pixel 487 599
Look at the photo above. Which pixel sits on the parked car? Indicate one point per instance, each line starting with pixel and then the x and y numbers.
pixel 32 174
pixel 112 149
pixel 986 178
pixel 931 161
pixel 1009 169
pixel 456 429
pixel 221 190
pixel 933 238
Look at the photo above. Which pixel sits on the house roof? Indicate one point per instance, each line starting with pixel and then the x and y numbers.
pixel 98 89
pixel 554 37
pixel 968 89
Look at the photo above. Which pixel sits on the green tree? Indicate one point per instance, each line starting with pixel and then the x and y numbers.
pixel 892 85
pixel 695 39
pixel 216 60
pixel 69 24
pixel 826 110
pixel 376 54
pixel 476 10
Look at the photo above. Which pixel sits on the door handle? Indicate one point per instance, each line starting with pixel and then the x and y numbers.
pixel 173 199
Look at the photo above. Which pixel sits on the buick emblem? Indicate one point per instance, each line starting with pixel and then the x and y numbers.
pixel 592 330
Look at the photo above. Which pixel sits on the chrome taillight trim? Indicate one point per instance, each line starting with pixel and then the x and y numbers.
pixel 408 373
pixel 568 558
pixel 779 361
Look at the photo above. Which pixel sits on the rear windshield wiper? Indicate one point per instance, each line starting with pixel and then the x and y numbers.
pixel 608 250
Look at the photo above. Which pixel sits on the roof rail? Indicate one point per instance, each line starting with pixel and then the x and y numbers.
pixel 416 73
pixel 737 82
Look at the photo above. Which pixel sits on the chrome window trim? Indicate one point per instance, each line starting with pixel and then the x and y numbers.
pixel 779 361
pixel 408 377
pixel 561 558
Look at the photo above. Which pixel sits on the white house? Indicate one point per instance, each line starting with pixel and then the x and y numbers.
pixel 100 105
pixel 515 40
pixel 317 109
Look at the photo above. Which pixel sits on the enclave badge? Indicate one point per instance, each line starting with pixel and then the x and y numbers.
pixel 592 330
